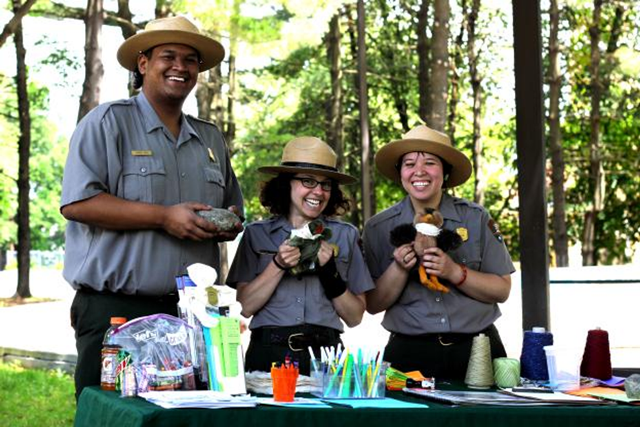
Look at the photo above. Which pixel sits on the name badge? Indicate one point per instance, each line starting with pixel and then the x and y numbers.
pixel 141 153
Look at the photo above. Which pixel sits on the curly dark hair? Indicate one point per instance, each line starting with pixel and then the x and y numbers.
pixel 275 195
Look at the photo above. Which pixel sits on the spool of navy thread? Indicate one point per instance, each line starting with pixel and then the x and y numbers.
pixel 533 360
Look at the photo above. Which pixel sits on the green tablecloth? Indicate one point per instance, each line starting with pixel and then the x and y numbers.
pixel 101 408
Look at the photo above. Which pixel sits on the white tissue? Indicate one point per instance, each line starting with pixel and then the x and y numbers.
pixel 202 275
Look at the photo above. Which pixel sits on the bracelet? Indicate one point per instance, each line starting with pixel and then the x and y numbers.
pixel 280 266
pixel 464 276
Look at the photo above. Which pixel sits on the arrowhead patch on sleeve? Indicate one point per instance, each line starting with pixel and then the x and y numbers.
pixel 493 227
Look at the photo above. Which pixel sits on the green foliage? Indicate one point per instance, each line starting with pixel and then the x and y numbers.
pixel 32 397
pixel 289 97
pixel 619 221
pixel 46 165
pixel 65 63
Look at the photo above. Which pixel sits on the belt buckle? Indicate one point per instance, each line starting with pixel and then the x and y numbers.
pixel 444 344
pixel 299 334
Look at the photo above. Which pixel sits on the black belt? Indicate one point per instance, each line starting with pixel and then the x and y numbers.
pixel 297 338
pixel 171 298
pixel 446 338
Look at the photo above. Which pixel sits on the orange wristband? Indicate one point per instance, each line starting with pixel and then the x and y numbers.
pixel 464 276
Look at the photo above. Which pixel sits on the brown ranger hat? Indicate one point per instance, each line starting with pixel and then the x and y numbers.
pixel 425 140
pixel 311 155
pixel 176 29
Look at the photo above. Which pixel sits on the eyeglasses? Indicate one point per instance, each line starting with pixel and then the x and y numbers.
pixel 312 183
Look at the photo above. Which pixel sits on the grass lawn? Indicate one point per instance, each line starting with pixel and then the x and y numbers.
pixel 32 397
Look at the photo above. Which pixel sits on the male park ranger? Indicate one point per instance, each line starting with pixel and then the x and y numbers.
pixel 138 170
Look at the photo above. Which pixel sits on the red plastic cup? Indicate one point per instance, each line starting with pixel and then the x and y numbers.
pixel 284 381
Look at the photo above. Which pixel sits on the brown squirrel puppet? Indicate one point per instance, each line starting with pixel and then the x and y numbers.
pixel 426 232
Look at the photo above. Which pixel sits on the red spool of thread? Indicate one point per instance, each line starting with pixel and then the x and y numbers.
pixel 596 361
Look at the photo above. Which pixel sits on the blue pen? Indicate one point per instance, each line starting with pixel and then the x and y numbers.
pixel 314 362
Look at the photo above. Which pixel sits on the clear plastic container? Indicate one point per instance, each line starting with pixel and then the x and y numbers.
pixel 563 364
pixel 357 384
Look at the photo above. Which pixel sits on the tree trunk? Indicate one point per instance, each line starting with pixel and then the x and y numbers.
pixel 24 149
pixel 476 87
pixel 399 89
pixel 217 102
pixel 559 225
pixel 15 20
pixel 209 97
pixel 124 13
pixel 234 34
pixel 366 153
pixel 596 171
pixel 456 65
pixel 94 17
pixel 204 95
pixel 423 61
pixel 354 135
pixel 128 29
pixel 437 112
pixel 230 130
pixel 334 107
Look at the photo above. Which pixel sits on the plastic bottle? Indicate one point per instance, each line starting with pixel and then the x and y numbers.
pixel 109 356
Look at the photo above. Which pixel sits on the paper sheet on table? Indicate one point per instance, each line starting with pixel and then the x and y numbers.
pixel 607 393
pixel 618 397
pixel 556 397
pixel 298 402
pixel 386 403
pixel 198 399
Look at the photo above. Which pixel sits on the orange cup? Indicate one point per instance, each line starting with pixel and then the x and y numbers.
pixel 284 381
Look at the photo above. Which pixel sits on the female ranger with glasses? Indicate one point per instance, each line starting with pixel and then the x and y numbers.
pixel 293 311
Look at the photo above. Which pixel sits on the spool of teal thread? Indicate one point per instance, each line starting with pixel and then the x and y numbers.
pixel 506 372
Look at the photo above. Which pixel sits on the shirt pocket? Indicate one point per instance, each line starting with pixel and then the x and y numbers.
pixel 144 180
pixel 214 186
pixel 469 254
pixel 414 292
pixel 342 265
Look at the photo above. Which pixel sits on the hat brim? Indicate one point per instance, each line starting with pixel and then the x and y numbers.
pixel 388 156
pixel 211 52
pixel 340 177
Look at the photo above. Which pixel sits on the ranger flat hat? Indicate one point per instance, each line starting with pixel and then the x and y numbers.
pixel 176 29
pixel 311 155
pixel 426 140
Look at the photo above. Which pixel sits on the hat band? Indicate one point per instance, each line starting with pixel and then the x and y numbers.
pixel 308 166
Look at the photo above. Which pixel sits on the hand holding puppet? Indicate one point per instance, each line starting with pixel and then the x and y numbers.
pixel 426 232
pixel 308 239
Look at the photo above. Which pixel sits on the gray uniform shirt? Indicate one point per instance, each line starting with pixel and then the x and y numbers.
pixel 419 310
pixel 122 148
pixel 298 300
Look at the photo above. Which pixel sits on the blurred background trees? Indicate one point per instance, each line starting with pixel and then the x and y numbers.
pixel 292 68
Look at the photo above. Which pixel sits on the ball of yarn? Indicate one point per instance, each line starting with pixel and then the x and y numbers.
pixel 632 386
pixel 506 372
pixel 596 361
pixel 480 370
pixel 533 361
